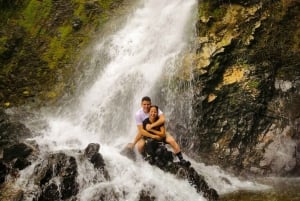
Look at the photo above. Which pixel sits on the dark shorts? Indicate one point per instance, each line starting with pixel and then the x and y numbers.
pixel 149 138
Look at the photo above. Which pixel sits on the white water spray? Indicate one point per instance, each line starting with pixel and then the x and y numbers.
pixel 138 53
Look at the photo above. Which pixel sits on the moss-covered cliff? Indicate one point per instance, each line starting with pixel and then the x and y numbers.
pixel 40 41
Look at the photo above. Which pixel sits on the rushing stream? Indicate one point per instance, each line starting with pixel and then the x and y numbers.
pixel 129 64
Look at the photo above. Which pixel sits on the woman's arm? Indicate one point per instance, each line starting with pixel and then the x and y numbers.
pixel 161 132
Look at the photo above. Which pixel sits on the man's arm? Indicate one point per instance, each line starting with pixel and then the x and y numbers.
pixel 160 121
pixel 161 133
pixel 147 134
pixel 137 137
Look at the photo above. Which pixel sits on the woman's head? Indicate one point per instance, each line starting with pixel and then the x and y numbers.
pixel 153 112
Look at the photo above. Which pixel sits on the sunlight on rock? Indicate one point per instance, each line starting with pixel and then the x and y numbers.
pixel 211 97
pixel 232 75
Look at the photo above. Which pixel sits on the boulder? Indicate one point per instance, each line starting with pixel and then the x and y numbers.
pixel 157 154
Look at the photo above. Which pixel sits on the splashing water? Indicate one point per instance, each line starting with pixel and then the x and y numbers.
pixel 135 57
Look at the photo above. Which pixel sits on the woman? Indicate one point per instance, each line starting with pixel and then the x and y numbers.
pixel 158 132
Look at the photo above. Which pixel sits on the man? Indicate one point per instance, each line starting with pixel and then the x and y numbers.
pixel 140 116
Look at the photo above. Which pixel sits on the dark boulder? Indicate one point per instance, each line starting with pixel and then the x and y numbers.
pixel 157 154
pixel 11 132
pixel 57 167
pixel 3 171
pixel 21 150
pixel 91 152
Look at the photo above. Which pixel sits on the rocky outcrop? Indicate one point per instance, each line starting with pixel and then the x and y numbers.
pixel 245 87
pixel 41 43
pixel 11 131
pixel 156 154
pixel 54 177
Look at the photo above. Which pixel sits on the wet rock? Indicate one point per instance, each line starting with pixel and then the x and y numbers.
pixel 14 153
pixel 8 192
pixel 50 193
pixel 246 81
pixel 146 196
pixel 21 163
pixel 56 177
pixel 92 153
pixel 3 171
pixel 21 150
pixel 76 24
pixel 11 132
pixel 157 154
pixel 96 158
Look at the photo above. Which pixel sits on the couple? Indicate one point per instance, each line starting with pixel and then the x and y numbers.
pixel 150 123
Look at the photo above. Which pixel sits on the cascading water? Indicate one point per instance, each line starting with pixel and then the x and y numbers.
pixel 135 58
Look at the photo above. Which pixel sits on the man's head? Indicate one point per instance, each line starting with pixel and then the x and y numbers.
pixel 146 103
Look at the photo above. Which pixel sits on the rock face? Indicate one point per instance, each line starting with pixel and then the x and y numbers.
pixel 245 75
pixel 40 41
pixel 54 176
pixel 158 155
pixel 11 131
pixel 246 89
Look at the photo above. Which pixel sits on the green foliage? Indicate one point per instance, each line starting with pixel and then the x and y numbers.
pixel 35 15
pixel 203 9
pixel 219 12
pixel 38 42
pixel 65 31
pixel 253 84
pixel 55 53
pixel 211 9
pixel 3 41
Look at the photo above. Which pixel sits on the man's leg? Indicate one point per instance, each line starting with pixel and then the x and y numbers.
pixel 171 141
pixel 176 148
pixel 136 139
pixel 140 145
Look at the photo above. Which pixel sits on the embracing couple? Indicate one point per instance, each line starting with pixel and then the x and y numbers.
pixel 150 123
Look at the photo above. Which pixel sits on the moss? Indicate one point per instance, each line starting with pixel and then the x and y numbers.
pixel 65 31
pixel 210 9
pixel 56 52
pixel 214 68
pixel 219 13
pixel 80 10
pixel 3 41
pixel 35 14
pixel 253 84
pixel 203 9
pixel 46 45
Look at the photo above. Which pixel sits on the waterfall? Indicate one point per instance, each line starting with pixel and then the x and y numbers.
pixel 135 58
pixel 129 64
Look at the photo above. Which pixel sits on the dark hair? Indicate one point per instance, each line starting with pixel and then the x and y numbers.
pixel 146 98
pixel 154 106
